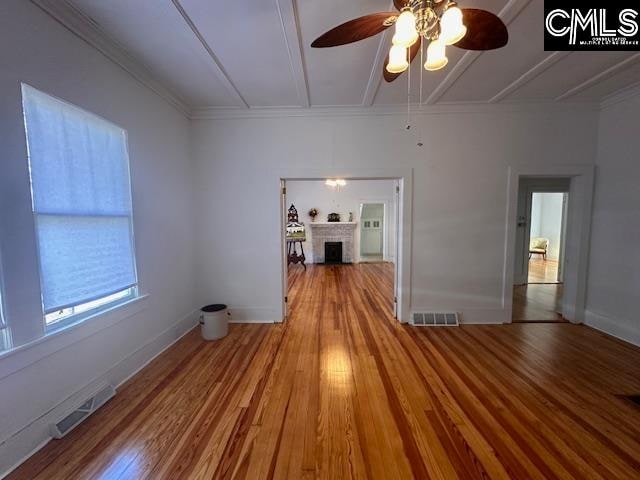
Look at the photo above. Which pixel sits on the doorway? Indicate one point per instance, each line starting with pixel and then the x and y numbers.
pixel 347 240
pixel 372 229
pixel 541 239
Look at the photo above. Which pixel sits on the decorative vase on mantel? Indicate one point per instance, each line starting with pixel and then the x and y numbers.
pixel 313 213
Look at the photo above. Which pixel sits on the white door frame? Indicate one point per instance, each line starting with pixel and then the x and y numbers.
pixel 578 235
pixel 404 176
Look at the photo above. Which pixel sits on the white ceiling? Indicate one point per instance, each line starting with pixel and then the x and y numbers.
pixel 256 53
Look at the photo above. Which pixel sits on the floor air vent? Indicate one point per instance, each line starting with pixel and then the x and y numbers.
pixel 68 423
pixel 435 319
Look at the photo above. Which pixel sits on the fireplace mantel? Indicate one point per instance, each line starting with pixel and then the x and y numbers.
pixel 322 232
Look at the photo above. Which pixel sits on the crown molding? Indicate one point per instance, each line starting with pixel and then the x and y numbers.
pixel 88 30
pixel 620 96
pixel 391 110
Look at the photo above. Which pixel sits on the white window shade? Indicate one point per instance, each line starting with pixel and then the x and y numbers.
pixel 81 200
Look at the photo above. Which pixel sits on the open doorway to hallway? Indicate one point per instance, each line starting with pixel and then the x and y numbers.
pixel 542 227
pixel 341 241
pixel 372 228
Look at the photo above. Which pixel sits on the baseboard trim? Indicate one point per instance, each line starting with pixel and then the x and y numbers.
pixel 26 442
pixel 612 327
pixel 254 315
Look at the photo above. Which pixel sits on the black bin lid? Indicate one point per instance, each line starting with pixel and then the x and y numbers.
pixel 216 307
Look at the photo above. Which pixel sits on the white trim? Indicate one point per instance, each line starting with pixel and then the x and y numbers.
pixel 35 435
pixel 79 24
pixel 255 315
pixel 600 77
pixel 620 96
pixel 612 327
pixel 404 222
pixel 508 14
pixel 375 79
pixel 442 108
pixel 290 24
pixel 530 75
pixel 219 70
pixel 36 350
pixel 573 308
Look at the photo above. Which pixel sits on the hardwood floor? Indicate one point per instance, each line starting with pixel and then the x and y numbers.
pixel 543 271
pixel 344 391
pixel 537 302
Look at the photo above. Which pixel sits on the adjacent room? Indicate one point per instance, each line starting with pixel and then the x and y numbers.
pixel 319 239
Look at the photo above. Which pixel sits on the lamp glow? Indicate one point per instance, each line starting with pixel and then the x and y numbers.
pixel 453 30
pixel 330 183
pixel 406 33
pixel 436 56
pixel 340 182
pixel 397 59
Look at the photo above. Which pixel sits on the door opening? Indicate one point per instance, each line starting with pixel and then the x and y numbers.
pixel 372 232
pixel 542 227
pixel 341 236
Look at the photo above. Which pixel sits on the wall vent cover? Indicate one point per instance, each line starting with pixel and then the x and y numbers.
pixel 435 319
pixel 90 405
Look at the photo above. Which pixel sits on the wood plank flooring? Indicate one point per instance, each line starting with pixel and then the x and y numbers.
pixel 543 271
pixel 344 391
pixel 537 302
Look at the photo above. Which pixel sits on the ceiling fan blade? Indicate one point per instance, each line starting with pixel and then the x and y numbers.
pixel 399 4
pixel 390 77
pixel 354 30
pixel 485 31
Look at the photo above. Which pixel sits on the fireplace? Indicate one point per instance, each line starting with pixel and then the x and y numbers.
pixel 332 252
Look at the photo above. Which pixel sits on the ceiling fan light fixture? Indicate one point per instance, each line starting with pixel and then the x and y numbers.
pixel 406 33
pixel 398 62
pixel 436 56
pixel 453 29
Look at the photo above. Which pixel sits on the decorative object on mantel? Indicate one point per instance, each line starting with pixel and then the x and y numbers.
pixel 295 235
pixel 351 216
pixel 333 217
pixel 313 213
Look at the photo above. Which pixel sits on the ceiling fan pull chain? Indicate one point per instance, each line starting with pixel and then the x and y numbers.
pixel 409 91
pixel 420 126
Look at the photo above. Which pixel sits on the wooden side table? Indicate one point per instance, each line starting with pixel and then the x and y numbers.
pixel 292 252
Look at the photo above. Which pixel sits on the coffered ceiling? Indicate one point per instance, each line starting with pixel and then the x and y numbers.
pixel 206 55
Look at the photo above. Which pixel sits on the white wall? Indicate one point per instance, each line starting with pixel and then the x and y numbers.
pixel 546 220
pixel 459 194
pixel 315 194
pixel 614 267
pixel 35 381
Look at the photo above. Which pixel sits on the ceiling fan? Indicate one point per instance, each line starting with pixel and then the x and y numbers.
pixel 439 22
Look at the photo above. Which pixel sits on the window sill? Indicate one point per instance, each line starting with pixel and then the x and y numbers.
pixel 20 357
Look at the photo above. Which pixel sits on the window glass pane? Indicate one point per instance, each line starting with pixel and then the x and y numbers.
pixel 82 203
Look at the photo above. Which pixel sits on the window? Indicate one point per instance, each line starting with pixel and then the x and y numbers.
pixel 81 198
